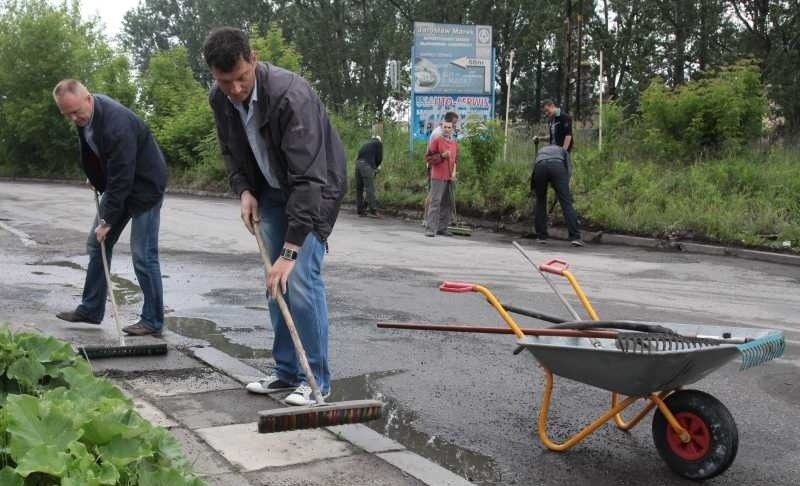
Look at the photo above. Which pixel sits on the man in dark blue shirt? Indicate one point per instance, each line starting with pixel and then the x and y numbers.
pixel 559 124
pixel 123 162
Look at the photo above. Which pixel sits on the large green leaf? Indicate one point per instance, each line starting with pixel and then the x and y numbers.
pixel 45 349
pixel 28 429
pixel 121 451
pixel 27 371
pixel 46 459
pixel 114 419
pixel 84 470
pixel 9 477
pixel 152 475
pixel 84 385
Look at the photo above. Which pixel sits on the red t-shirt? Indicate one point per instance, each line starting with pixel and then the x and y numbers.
pixel 444 170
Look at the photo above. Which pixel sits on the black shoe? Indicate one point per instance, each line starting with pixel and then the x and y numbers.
pixel 444 233
pixel 361 214
pixel 430 233
pixel 541 241
pixel 75 316
pixel 141 329
pixel 577 243
pixel 373 214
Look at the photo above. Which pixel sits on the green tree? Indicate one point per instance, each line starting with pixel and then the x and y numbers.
pixel 176 107
pixel 274 49
pixel 41 44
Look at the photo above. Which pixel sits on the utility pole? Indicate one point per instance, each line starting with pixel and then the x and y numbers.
pixel 508 99
pixel 602 89
pixel 579 82
pixel 567 54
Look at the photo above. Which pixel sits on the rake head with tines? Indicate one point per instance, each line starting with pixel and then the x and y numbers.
pixel 648 342
pixel 761 350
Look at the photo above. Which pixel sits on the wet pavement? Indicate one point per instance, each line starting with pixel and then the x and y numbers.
pixel 464 401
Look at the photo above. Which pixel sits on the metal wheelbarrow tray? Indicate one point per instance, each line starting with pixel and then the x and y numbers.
pixel 602 364
pixel 694 433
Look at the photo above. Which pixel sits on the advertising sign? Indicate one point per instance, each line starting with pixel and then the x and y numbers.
pixel 452 70
pixel 428 112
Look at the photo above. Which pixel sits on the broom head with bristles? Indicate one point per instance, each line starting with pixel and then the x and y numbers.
pixel 98 352
pixel 315 416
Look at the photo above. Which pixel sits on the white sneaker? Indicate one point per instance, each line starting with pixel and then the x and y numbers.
pixel 303 396
pixel 270 384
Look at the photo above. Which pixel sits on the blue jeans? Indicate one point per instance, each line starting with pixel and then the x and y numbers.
pixel 144 250
pixel 305 297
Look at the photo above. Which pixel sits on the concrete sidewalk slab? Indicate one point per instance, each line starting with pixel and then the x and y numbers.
pixel 357 470
pixel 241 444
pixel 204 460
pixel 215 408
pixel 182 382
pixel 423 469
pixel 153 415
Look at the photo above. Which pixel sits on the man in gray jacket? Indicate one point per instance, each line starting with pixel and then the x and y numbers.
pixel 551 167
pixel 286 163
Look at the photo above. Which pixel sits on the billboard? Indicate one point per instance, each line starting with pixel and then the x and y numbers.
pixel 429 110
pixel 452 70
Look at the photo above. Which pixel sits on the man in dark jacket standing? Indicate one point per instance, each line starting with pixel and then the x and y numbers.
pixel 287 164
pixel 368 160
pixel 122 162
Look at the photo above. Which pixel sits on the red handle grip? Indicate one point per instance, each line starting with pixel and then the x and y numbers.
pixel 556 267
pixel 456 287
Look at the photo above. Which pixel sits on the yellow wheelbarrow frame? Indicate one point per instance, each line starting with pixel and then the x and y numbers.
pixel 617 407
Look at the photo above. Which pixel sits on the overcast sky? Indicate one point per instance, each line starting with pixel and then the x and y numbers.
pixel 109 11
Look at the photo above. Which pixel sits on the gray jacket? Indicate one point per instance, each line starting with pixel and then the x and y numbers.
pixel 305 152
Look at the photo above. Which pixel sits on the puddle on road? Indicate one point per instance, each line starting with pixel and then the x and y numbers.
pixel 60 263
pixel 207 330
pixel 398 424
pixel 125 291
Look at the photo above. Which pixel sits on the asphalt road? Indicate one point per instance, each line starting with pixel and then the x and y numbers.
pixel 464 401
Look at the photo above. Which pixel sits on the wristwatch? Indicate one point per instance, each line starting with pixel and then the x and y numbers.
pixel 102 222
pixel 288 254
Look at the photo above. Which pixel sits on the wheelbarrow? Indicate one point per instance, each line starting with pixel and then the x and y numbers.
pixel 693 432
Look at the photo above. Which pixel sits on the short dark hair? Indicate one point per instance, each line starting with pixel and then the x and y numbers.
pixel 224 46
pixel 549 103
pixel 450 116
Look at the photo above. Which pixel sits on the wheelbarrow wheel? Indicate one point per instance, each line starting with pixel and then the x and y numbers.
pixel 714 437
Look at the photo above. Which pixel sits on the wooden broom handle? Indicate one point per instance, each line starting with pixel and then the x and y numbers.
pixel 107 272
pixel 287 316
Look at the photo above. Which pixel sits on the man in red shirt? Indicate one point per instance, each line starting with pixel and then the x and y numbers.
pixel 442 156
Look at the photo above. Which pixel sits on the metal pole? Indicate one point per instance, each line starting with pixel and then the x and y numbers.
pixel 602 88
pixel 508 100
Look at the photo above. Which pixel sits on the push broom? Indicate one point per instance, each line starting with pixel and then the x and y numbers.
pixel 321 414
pixel 123 350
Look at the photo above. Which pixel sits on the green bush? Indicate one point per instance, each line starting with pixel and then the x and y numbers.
pixel 484 144
pixel 719 113
pixel 40 44
pixel 61 425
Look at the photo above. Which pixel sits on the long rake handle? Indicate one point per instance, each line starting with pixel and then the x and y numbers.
pixel 498 330
pixel 287 316
pixel 114 309
pixel 560 296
